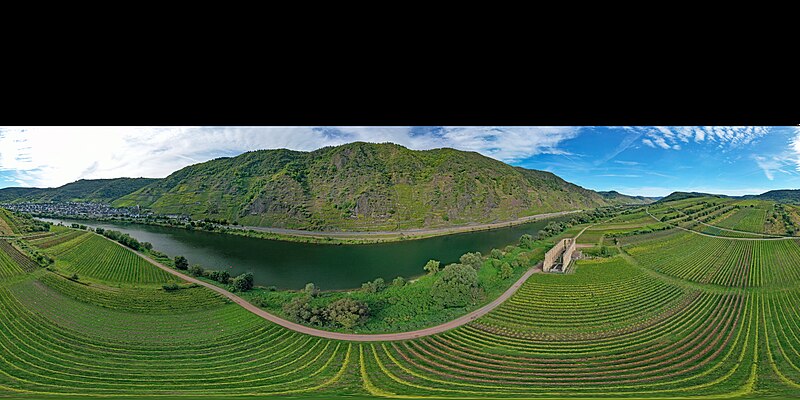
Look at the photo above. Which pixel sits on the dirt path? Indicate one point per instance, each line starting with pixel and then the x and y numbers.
pixel 410 232
pixel 349 336
pixel 377 337
pixel 722 237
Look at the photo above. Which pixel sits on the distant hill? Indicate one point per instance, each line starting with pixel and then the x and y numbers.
pixel 360 186
pixel 674 196
pixel 84 190
pixel 781 196
pixel 615 197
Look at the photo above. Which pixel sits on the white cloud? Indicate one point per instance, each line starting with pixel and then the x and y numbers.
pixel 670 137
pixel 627 162
pixel 53 156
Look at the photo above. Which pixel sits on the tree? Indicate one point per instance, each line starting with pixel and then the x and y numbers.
pixel 457 286
pixel 374 287
pixel 526 241
pixel 506 270
pixel 432 266
pixel 243 282
pixel 171 286
pixel 223 276
pixel 196 270
pixel 147 245
pixel 399 282
pixel 74 277
pixel 181 262
pixel 497 254
pixel 311 289
pixel 474 260
pixel 347 312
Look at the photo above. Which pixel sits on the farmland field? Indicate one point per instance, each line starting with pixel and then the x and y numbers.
pixel 674 315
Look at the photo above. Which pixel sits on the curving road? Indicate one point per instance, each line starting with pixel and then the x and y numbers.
pixel 355 337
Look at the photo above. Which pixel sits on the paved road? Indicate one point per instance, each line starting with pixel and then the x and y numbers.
pixel 410 232
pixel 350 336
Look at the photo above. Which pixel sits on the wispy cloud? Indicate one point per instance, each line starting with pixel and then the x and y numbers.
pixel 671 137
pixel 631 163
pixel 53 156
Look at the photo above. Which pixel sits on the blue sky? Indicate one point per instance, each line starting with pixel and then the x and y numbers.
pixel 651 161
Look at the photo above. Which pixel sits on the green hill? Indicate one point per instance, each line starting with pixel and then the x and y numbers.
pixel 360 186
pixel 88 190
pixel 674 196
pixel 615 197
pixel 781 196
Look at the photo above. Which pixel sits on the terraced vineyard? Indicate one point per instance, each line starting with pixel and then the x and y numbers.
pixel 95 257
pixel 675 315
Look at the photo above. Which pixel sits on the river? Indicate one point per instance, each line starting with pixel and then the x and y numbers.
pixel 290 265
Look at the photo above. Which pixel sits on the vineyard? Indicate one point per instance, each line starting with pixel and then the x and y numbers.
pixel 671 314
pixel 95 257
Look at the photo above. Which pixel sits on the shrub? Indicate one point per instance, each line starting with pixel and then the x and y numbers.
pixel 526 241
pixel 74 277
pixel 311 289
pixel 170 287
pixel 373 287
pixel 196 270
pixel 497 254
pixel 181 262
pixel 399 282
pixel 457 286
pixel 432 266
pixel 223 277
pixel 346 312
pixel 299 309
pixel 473 260
pixel 243 282
pixel 506 270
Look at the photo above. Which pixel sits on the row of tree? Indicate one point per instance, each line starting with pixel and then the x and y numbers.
pixel 125 239
pixel 241 283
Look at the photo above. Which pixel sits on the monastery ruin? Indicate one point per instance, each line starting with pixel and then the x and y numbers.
pixel 558 258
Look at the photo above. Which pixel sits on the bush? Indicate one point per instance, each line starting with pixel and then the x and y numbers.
pixel 473 260
pixel 272 288
pixel 196 270
pixel 526 241
pixel 506 271
pixel 346 312
pixel 171 287
pixel 311 289
pixel 243 282
pixel 223 276
pixel 181 262
pixel 432 266
pixel 373 287
pixel 300 310
pixel 497 254
pixel 399 282
pixel 457 286
pixel 74 277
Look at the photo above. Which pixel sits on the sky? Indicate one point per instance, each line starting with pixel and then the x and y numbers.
pixel 648 161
